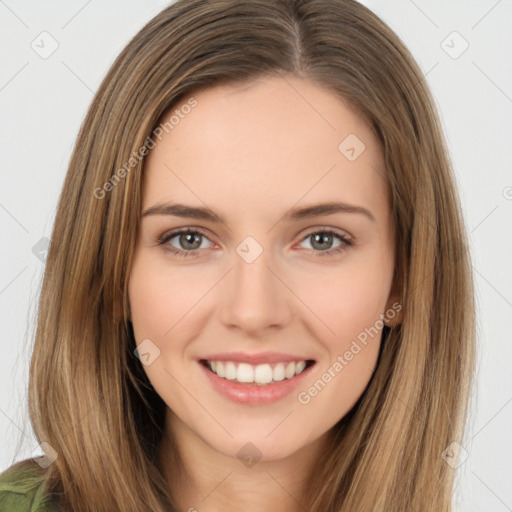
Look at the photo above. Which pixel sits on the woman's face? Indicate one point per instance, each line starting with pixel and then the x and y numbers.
pixel 280 279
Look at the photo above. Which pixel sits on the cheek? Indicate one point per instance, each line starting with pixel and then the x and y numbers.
pixel 346 301
pixel 348 305
pixel 160 299
pixel 158 309
pixel 356 304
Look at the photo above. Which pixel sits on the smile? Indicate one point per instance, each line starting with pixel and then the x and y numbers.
pixel 257 385
pixel 261 374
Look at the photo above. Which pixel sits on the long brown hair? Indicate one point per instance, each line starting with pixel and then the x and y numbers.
pixel 89 398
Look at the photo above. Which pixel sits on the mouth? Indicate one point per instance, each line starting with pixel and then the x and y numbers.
pixel 257 375
pixel 255 384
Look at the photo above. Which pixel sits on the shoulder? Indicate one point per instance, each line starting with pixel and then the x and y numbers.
pixel 22 488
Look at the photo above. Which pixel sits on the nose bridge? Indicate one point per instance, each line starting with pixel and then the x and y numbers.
pixel 253 299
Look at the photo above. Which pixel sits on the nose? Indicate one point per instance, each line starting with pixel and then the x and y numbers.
pixel 254 298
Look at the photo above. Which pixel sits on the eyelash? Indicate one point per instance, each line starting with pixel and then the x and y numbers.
pixel 346 242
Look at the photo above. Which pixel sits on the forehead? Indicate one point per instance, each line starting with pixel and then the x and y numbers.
pixel 270 141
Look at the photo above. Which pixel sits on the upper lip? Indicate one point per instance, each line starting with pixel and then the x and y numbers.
pixel 254 359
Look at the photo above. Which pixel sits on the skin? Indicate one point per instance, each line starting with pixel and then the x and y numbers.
pixel 250 153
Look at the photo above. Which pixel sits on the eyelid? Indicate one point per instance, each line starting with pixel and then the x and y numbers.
pixel 203 232
pixel 187 229
pixel 317 229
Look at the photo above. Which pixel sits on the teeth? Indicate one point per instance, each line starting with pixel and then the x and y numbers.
pixel 290 370
pixel 220 369
pixel 278 372
pixel 300 366
pixel 244 373
pixel 260 374
pixel 263 374
pixel 230 370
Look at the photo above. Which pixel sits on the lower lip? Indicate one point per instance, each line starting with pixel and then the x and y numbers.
pixel 254 394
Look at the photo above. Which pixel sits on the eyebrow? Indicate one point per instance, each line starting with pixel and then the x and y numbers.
pixel 317 210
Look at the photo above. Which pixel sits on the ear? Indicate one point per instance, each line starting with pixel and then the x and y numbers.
pixel 394 307
pixel 393 314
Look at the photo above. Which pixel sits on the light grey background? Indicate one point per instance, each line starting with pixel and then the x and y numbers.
pixel 44 100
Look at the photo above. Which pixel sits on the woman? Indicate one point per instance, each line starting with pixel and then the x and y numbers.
pixel 315 350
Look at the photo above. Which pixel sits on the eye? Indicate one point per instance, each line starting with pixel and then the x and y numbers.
pixel 188 240
pixel 323 241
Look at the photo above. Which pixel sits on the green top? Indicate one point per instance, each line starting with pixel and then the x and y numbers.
pixel 22 489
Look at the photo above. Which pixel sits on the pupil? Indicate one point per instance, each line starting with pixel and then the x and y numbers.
pixel 187 237
pixel 324 237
